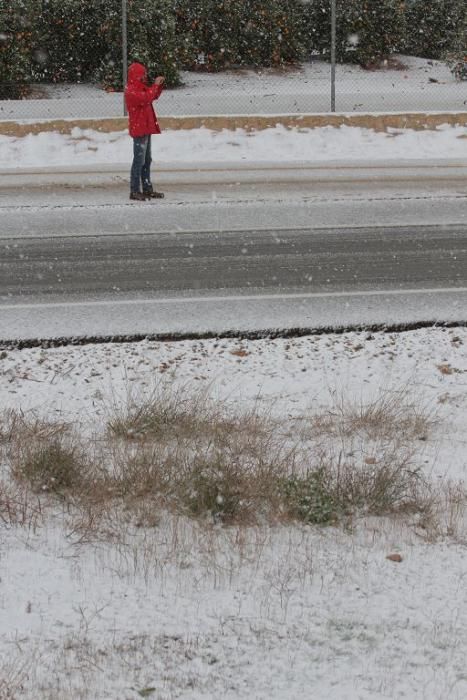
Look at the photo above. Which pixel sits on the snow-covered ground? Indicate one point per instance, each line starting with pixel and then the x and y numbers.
pixel 421 85
pixel 287 612
pixel 90 148
pixel 431 364
pixel 269 613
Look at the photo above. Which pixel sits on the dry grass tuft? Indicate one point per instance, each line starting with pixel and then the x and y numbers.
pixel 230 486
pixel 47 455
pixel 165 414
pixel 7 426
pixel 50 466
pixel 340 487
pixel 18 426
pixel 446 515
pixel 186 455
pixel 18 507
pixel 367 460
pixel 6 691
pixel 390 416
pixel 13 675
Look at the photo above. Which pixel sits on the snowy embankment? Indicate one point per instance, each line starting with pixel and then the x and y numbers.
pixel 197 146
pixel 419 86
pixel 173 609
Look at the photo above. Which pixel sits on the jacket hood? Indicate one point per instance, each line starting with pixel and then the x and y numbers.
pixel 136 73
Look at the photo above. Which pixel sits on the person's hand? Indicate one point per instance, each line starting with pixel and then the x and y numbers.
pixel 159 80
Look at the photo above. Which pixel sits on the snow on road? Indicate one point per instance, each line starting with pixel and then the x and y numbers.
pixel 274 613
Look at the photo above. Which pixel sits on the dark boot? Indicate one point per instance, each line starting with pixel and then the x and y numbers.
pixel 139 196
pixel 152 194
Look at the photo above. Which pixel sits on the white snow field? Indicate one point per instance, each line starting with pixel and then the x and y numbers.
pixel 180 610
pixel 421 85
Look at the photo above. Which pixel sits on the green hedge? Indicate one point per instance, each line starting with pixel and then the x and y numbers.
pixel 152 40
pixel 368 31
pixel 67 45
pixel 436 27
pixel 16 38
pixel 219 34
pixel 80 40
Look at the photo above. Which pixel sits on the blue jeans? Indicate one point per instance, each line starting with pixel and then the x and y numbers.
pixel 141 167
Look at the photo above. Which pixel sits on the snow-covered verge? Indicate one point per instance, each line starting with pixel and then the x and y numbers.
pixel 186 611
pixel 421 85
pixel 324 144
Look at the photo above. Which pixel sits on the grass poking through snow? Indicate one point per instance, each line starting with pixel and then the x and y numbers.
pixel 190 456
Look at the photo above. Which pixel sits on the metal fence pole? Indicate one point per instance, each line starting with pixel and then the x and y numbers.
pixel 124 49
pixel 333 54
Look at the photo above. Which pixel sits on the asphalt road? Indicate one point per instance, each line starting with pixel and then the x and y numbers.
pixel 217 257
pixel 305 261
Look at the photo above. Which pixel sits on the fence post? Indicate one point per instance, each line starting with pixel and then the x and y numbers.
pixel 124 49
pixel 333 54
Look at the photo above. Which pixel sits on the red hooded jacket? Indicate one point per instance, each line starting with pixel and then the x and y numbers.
pixel 139 98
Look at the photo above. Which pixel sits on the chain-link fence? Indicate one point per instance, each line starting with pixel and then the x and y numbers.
pixel 68 58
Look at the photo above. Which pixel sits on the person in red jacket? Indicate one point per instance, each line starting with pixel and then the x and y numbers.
pixel 142 120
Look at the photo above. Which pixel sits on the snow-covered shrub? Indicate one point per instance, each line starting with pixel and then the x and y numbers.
pixel 16 38
pixel 203 30
pixel 80 40
pixel 151 41
pixel 68 45
pixel 270 33
pixel 217 34
pixel 436 28
pixel 456 57
pixel 317 27
pixel 368 31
